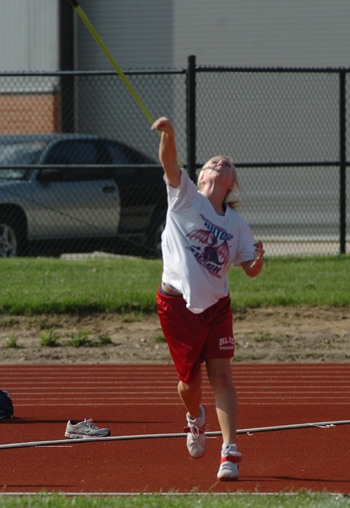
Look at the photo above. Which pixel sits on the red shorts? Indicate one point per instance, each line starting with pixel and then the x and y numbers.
pixel 194 338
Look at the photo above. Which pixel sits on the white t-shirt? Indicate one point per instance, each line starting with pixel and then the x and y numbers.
pixel 199 246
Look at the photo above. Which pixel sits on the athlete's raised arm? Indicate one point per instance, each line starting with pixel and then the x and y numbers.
pixel 167 150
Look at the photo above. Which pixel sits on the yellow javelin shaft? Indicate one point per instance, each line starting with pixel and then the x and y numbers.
pixel 116 67
pixel 106 51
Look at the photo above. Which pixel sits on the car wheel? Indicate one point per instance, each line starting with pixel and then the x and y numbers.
pixel 12 237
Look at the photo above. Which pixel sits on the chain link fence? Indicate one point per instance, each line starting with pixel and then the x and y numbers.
pixel 79 167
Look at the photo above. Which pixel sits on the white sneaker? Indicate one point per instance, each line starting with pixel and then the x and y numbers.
pixel 229 464
pixel 196 434
pixel 84 429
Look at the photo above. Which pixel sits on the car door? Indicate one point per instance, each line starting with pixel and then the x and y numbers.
pixel 74 201
pixel 141 187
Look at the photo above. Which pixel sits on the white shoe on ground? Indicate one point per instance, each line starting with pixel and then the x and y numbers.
pixel 196 434
pixel 85 429
pixel 229 464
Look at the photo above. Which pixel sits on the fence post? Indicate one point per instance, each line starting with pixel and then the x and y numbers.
pixel 191 116
pixel 66 57
pixel 342 158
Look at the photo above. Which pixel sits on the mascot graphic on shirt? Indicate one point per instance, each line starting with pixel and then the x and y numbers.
pixel 210 246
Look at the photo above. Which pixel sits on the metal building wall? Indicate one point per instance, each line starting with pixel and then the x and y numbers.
pixel 267 33
pixel 138 33
pixel 161 34
pixel 29 35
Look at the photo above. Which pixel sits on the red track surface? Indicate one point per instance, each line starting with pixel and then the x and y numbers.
pixel 140 399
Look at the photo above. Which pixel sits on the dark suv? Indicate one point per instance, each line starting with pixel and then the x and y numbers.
pixel 78 193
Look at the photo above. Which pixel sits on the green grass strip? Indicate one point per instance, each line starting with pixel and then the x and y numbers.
pixel 230 500
pixel 47 285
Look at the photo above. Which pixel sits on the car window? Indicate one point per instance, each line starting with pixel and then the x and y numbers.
pixel 123 154
pixel 72 152
pixel 77 152
pixel 118 155
pixel 18 153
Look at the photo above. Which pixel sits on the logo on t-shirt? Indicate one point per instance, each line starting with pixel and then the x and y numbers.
pixel 210 247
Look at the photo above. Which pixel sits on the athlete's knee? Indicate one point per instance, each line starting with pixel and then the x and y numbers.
pixel 219 374
pixel 191 386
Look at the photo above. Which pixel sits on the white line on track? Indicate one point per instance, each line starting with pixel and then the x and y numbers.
pixel 194 495
pixel 162 396
pixel 117 393
pixel 259 402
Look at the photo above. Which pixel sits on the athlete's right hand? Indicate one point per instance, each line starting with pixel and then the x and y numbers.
pixel 163 124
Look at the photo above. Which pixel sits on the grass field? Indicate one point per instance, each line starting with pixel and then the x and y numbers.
pixel 34 286
pixel 44 285
pixel 283 500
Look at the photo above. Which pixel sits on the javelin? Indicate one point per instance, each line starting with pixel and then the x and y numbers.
pixel 114 64
pixel 108 54
pixel 324 425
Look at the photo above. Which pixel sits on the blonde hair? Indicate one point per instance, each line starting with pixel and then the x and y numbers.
pixel 231 198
